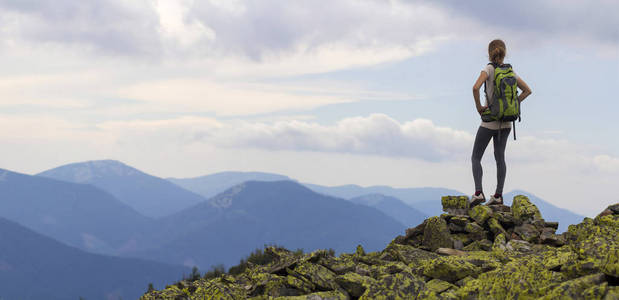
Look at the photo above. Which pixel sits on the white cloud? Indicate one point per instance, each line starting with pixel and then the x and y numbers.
pixel 203 95
pixel 606 163
pixel 305 33
pixel 376 134
pixel 173 24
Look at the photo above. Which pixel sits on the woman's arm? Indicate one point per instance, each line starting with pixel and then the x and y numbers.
pixel 526 91
pixel 480 80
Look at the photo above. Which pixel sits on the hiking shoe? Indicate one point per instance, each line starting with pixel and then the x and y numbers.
pixel 477 199
pixel 495 199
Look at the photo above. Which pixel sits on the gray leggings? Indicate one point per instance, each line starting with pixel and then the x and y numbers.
pixel 481 142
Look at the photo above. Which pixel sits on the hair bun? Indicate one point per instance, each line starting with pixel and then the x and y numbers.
pixel 496 51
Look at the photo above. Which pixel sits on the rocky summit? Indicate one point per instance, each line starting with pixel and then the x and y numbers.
pixel 481 252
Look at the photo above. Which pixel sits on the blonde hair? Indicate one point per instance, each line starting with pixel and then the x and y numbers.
pixel 496 51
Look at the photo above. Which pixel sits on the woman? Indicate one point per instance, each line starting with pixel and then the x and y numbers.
pixel 490 130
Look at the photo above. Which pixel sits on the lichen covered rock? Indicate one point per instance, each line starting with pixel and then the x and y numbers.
pixel 456 205
pixel 486 253
pixel 436 234
pixel 480 214
pixel 449 268
pixel 523 210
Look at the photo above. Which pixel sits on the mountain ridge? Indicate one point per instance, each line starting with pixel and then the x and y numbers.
pixel 423 199
pixel 77 214
pixel 245 219
pixel 150 195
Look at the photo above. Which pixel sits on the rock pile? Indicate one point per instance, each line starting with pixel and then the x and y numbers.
pixel 476 228
pixel 483 252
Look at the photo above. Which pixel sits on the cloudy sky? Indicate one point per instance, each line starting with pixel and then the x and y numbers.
pixel 330 92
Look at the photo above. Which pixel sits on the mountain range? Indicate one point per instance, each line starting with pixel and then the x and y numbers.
pixel 213 219
pixel 149 195
pixel 79 215
pixel 424 200
pixel 255 213
pixel 210 185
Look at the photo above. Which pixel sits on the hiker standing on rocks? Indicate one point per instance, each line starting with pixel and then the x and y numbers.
pixel 493 125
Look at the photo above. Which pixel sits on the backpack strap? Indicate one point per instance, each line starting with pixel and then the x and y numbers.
pixel 514 123
pixel 495 65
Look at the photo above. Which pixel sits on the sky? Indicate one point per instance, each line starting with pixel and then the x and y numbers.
pixel 368 92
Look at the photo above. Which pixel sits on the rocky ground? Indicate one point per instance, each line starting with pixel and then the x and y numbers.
pixel 483 252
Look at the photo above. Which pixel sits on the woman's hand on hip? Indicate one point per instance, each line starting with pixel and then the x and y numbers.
pixel 481 109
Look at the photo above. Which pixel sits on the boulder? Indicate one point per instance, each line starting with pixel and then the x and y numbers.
pixel 519 246
pixel 554 225
pixel 500 208
pixel 481 245
pixel 354 284
pixel 548 237
pixel 449 268
pixel 406 254
pixel 480 214
pixel 438 286
pixel 395 286
pixel 459 220
pixel 524 211
pixel 588 287
pixel 495 227
pixel 317 274
pixel 528 233
pixel 475 231
pixel 610 265
pixel 506 219
pixel 436 234
pixel 455 205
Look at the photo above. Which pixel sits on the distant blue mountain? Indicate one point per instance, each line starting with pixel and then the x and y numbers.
pixel 254 213
pixel 80 215
pixel 211 185
pixel 426 199
pixel 149 195
pixel 421 199
pixel 33 266
pixel 549 211
pixel 393 207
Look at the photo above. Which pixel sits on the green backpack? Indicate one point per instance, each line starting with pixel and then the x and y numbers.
pixel 505 106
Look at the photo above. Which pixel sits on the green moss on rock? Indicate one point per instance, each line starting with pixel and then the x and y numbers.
pixel 586 267
pixel 480 214
pixel 496 227
pixel 523 278
pixel 317 274
pixel 450 268
pixel 436 234
pixel 588 287
pixel 610 265
pixel 395 286
pixel 457 205
pixel 524 210
pixel 354 284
